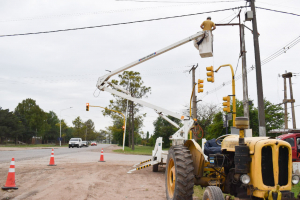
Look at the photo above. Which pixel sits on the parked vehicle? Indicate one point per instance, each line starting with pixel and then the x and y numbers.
pixel 93 143
pixel 293 138
pixel 85 143
pixel 75 142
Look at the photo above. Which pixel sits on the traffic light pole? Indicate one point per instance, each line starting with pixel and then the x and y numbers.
pixel 233 93
pixel 260 95
pixel 124 121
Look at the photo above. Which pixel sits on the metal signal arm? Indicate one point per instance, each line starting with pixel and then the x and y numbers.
pixel 139 101
pixel 102 79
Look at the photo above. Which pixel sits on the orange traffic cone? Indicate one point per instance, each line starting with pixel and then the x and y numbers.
pixel 51 163
pixel 101 157
pixel 10 182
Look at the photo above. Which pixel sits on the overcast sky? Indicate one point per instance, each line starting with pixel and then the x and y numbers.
pixel 60 70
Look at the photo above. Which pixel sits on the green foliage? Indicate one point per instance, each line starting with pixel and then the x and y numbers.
pixel 52 132
pixel 274 118
pixel 84 130
pixel 273 115
pixel 30 120
pixel 216 128
pixel 139 150
pixel 34 117
pixel 10 126
pixel 164 129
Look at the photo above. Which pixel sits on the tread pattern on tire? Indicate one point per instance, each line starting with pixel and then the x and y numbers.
pixel 184 183
pixel 213 193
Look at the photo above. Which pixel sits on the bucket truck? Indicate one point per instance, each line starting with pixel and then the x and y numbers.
pixel 202 42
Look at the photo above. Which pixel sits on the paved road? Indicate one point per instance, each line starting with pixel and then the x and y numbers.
pixel 6 156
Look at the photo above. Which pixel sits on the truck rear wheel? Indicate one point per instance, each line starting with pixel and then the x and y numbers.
pixel 213 193
pixel 179 177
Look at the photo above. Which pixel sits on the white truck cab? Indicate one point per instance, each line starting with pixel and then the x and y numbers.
pixel 75 142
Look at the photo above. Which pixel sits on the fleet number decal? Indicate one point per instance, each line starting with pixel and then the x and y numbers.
pixel 152 54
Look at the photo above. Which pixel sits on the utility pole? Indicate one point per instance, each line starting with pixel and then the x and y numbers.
pixel 194 105
pixel 244 72
pixel 291 100
pixel 285 106
pixel 260 95
pixel 85 131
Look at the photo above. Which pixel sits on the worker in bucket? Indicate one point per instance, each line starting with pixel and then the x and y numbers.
pixel 208 25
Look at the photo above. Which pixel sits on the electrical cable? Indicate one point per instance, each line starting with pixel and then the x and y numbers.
pixel 278 11
pixel 265 61
pixel 117 24
pixel 180 1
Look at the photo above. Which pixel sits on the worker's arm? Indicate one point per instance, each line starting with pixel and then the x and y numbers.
pixel 202 26
pixel 213 27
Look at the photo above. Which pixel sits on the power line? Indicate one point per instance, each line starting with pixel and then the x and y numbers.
pixel 180 1
pixel 265 61
pixel 123 23
pixel 277 11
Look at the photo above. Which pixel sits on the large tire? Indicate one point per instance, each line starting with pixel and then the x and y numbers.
pixel 213 193
pixel 179 177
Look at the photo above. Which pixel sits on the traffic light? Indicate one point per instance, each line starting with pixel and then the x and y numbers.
pixel 200 85
pixel 210 74
pixel 123 127
pixel 87 106
pixel 226 104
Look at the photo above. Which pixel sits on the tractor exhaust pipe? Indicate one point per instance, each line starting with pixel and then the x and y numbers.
pixel 242 157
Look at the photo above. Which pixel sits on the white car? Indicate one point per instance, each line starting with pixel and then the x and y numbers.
pixel 75 142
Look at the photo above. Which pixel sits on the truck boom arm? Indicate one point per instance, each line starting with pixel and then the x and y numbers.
pixel 149 105
pixel 106 77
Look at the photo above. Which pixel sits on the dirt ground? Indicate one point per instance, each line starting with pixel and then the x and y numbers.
pixel 81 176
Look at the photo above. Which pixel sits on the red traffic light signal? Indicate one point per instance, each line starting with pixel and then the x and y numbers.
pixel 87 106
pixel 123 127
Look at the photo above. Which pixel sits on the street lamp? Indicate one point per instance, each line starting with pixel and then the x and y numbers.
pixel 60 126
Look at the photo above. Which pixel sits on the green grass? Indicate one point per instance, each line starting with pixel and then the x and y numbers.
pixel 138 150
pixel 32 145
pixel 198 191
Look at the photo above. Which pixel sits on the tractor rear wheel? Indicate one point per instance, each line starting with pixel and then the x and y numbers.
pixel 179 176
pixel 213 193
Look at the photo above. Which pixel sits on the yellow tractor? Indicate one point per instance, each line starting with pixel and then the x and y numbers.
pixel 246 168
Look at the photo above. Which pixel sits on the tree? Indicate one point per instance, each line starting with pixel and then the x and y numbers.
pixel 206 114
pixel 215 129
pixel 164 129
pixel 89 127
pixel 10 126
pixel 78 128
pixel 273 116
pixel 33 118
pixel 147 137
pixel 132 82
pixel 52 133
